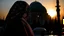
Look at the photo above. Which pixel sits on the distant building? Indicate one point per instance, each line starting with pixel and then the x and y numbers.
pixel 63 25
pixel 63 20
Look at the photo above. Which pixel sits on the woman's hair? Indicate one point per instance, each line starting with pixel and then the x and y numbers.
pixel 13 21
pixel 15 13
pixel 17 10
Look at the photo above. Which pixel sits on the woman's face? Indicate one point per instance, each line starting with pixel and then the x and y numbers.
pixel 25 16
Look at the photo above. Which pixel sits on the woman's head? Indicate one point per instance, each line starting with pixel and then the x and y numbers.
pixel 17 10
pixel 25 16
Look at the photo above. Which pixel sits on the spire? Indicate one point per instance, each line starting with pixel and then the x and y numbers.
pixel 58 17
pixel 58 10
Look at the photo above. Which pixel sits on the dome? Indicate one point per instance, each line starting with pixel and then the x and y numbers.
pixel 37 7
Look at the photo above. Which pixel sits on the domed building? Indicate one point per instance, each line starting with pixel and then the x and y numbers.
pixel 38 14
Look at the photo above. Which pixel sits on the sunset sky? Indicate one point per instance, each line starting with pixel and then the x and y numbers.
pixel 5 6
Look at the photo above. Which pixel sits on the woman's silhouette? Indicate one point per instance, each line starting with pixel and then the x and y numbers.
pixel 16 24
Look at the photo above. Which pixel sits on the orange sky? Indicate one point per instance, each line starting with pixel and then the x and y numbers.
pixel 49 4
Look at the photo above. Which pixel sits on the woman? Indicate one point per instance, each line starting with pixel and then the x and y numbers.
pixel 16 21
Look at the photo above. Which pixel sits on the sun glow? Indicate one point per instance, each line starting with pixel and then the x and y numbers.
pixel 52 12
